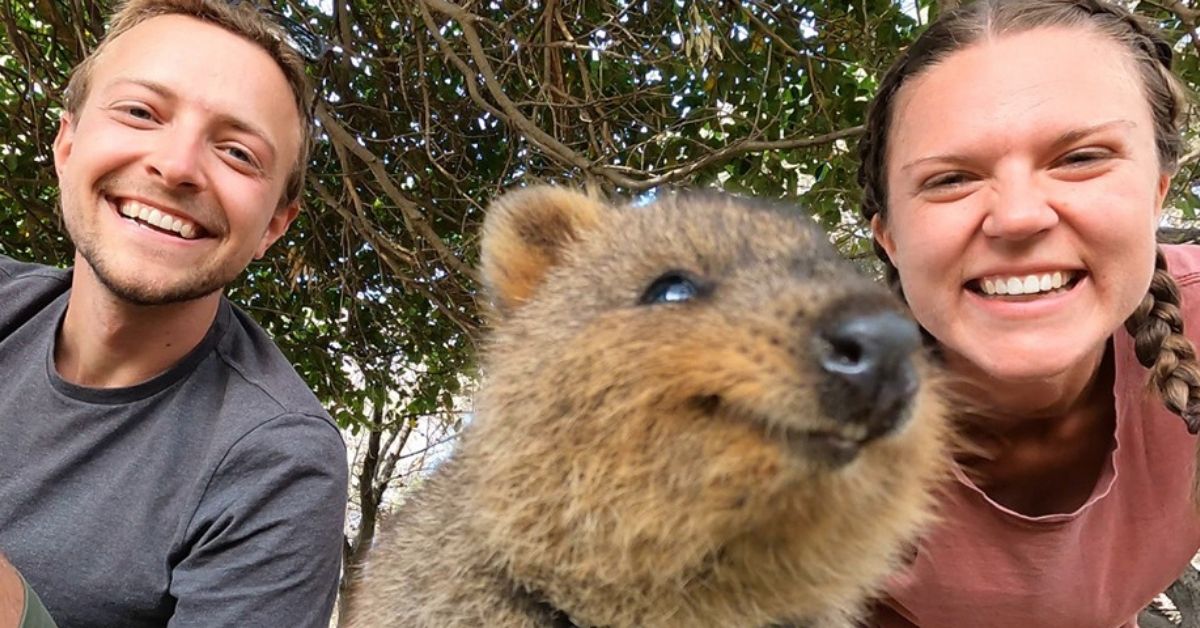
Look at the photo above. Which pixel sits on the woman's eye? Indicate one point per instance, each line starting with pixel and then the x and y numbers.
pixel 671 287
pixel 948 179
pixel 1083 157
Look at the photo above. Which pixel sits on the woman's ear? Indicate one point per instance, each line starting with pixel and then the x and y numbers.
pixel 882 235
pixel 1164 186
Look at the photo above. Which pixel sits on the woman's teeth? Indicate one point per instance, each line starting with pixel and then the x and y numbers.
pixel 1028 284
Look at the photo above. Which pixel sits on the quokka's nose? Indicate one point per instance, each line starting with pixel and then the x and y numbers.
pixel 868 362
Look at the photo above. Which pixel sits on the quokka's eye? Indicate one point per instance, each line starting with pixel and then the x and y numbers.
pixel 675 286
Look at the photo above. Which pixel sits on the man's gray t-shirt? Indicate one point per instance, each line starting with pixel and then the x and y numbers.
pixel 211 495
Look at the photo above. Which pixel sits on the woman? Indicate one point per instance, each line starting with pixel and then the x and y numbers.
pixel 1014 167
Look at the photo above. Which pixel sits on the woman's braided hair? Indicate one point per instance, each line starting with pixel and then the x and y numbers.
pixel 1156 325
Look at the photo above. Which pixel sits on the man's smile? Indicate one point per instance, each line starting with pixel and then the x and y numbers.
pixel 158 219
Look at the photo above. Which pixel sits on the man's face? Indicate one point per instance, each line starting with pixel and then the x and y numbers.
pixel 173 170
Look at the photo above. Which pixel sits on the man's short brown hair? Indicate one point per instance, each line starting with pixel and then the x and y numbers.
pixel 242 19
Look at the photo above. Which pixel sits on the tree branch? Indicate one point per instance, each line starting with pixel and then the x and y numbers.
pixel 409 210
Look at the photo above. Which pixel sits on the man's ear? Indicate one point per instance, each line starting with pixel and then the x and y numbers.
pixel 64 141
pixel 280 221
pixel 884 237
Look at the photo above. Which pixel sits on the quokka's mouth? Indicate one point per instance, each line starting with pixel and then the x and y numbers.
pixel 827 445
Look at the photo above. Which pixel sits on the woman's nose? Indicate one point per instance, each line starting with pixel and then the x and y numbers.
pixel 1019 208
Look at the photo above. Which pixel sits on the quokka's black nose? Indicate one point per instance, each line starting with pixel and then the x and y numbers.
pixel 868 362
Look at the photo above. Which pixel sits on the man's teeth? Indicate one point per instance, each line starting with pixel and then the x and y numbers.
pixel 1029 284
pixel 151 216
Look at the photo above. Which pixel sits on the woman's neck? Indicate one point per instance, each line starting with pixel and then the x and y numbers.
pixel 1040 447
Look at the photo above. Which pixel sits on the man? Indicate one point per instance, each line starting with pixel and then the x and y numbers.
pixel 160 462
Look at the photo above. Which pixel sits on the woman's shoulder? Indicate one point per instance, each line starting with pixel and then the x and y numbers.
pixel 1183 260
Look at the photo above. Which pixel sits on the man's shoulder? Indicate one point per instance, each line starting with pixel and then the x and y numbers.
pixel 12 270
pixel 26 289
pixel 262 377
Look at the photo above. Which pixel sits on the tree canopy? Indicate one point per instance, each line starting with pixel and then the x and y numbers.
pixel 428 109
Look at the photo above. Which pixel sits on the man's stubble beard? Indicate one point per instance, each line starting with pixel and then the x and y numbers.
pixel 135 293
pixel 200 283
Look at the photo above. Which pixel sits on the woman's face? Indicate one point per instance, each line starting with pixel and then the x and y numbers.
pixel 1024 191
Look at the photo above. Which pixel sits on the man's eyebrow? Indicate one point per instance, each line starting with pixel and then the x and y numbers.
pixel 1065 138
pixel 154 86
pixel 239 124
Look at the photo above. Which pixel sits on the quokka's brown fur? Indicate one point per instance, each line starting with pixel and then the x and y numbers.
pixel 637 460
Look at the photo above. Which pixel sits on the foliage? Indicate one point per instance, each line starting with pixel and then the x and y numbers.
pixel 428 109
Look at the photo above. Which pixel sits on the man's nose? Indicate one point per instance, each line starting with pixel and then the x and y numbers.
pixel 1019 208
pixel 176 159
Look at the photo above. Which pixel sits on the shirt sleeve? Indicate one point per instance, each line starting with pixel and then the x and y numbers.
pixel 264 546
pixel 35 614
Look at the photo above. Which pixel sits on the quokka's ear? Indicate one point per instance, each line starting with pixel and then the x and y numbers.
pixel 525 234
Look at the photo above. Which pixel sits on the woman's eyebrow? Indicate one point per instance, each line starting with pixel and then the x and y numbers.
pixel 1074 135
pixel 1065 138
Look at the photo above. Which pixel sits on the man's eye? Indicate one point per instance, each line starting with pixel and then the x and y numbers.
pixel 239 154
pixel 242 156
pixel 141 113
